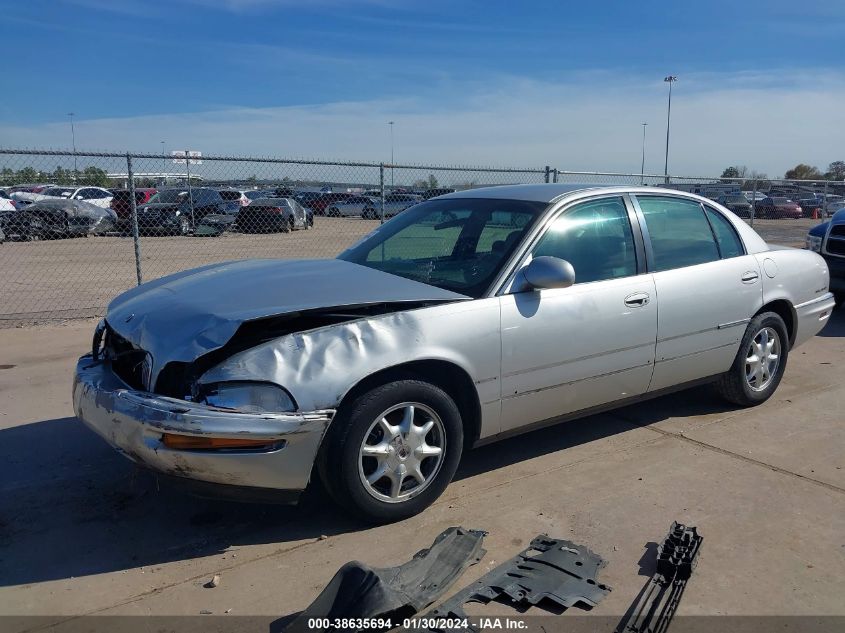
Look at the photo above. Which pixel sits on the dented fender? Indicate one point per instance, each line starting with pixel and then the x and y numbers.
pixel 319 367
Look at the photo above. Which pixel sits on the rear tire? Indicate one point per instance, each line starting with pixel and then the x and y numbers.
pixel 359 443
pixel 759 364
pixel 839 299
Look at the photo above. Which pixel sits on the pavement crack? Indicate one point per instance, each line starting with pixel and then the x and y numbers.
pixel 726 452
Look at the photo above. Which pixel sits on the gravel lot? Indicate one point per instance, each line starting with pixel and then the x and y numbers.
pixel 78 277
pixel 83 532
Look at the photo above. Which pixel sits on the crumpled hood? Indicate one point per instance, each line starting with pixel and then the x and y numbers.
pixel 183 316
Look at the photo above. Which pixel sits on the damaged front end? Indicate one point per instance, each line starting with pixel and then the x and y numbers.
pixel 262 450
pixel 149 390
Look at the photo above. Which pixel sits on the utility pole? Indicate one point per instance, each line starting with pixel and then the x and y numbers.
pixel 390 123
pixel 642 166
pixel 73 142
pixel 670 80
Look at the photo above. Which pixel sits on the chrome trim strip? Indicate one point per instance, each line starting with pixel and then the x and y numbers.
pixel 576 360
pixel 828 296
pixel 573 382
pixel 678 336
pixel 722 326
pixel 699 351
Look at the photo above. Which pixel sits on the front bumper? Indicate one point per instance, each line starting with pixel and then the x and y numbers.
pixel 133 422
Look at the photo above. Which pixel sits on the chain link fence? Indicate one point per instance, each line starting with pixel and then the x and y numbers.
pixel 79 228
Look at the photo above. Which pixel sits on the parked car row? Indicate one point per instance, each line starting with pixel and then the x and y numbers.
pixel 779 207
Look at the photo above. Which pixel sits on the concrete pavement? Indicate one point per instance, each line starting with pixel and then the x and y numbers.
pixel 82 531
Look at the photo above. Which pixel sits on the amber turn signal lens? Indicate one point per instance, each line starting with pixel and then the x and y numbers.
pixel 191 442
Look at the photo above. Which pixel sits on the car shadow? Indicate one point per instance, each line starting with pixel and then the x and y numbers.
pixel 71 506
pixel 688 403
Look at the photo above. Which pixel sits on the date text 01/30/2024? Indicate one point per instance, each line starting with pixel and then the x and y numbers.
pixel 439 624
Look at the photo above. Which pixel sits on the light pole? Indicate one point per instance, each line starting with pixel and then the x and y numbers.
pixel 390 123
pixel 642 166
pixel 163 165
pixel 670 80
pixel 73 141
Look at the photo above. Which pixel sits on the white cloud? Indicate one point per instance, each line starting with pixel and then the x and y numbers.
pixel 767 121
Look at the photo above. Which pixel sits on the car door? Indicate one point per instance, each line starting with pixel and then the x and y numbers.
pixel 570 349
pixel 708 287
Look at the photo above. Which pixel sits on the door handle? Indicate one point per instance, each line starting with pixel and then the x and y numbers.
pixel 637 300
pixel 750 277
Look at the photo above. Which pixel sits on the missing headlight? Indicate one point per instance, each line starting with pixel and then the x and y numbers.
pixel 251 397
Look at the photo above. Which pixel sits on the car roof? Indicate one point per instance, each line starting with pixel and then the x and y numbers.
pixel 549 192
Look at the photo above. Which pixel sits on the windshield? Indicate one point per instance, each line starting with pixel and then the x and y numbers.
pixel 736 199
pixel 170 196
pixel 458 245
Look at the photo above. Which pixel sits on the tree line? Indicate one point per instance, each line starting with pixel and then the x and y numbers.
pixel 801 171
pixel 89 176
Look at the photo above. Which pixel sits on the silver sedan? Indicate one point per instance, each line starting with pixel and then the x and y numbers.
pixel 394 204
pixel 464 320
pixel 350 207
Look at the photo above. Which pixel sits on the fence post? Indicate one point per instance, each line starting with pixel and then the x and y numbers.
pixel 381 186
pixel 548 169
pixel 823 214
pixel 135 240
pixel 753 202
pixel 555 175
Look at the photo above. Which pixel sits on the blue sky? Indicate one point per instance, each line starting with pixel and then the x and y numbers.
pixel 484 82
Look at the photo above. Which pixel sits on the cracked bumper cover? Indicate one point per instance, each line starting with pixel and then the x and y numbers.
pixel 133 423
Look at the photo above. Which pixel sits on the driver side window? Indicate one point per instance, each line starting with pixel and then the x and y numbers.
pixel 595 237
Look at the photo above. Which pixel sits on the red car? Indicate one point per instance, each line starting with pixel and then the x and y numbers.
pixel 777 208
pixel 120 203
pixel 319 205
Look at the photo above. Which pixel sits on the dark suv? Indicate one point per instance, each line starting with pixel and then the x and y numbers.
pixel 828 240
pixel 173 211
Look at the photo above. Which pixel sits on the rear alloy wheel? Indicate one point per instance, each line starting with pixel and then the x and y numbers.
pixel 392 451
pixel 759 364
pixel 184 225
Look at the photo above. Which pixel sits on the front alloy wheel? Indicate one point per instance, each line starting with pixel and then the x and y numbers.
pixel 391 451
pixel 402 452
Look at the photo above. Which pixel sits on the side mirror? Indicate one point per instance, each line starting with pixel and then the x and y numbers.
pixel 545 272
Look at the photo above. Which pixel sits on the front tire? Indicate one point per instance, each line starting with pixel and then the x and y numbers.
pixel 759 364
pixel 391 452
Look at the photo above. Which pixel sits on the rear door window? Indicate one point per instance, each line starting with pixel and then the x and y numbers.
pixel 679 232
pixel 726 237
